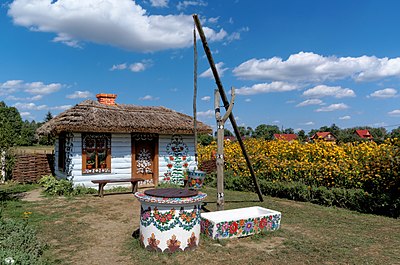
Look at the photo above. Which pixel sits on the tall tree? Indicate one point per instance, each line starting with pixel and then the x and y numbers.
pixel 288 131
pixel 266 131
pixel 48 116
pixel 395 133
pixel 47 139
pixel 301 135
pixel 10 134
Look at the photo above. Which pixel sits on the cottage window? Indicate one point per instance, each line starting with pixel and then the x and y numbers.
pixel 96 153
pixel 61 152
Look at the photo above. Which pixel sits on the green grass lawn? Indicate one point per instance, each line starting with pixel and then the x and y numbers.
pixel 309 233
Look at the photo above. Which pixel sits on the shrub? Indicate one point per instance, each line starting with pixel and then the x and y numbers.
pixel 62 187
pixel 18 242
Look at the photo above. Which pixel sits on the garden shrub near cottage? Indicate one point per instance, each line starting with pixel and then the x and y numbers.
pixel 348 175
pixel 62 187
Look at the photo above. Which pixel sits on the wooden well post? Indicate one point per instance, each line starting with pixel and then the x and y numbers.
pixel 220 145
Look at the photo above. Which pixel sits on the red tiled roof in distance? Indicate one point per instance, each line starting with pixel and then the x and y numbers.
pixel 286 136
pixel 365 134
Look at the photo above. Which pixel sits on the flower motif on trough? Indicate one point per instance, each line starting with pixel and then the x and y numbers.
pixel 206 227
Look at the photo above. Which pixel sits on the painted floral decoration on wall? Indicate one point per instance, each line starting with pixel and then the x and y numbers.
pixel 177 160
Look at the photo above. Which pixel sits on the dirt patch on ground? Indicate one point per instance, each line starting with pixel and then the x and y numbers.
pixel 90 229
pixel 32 196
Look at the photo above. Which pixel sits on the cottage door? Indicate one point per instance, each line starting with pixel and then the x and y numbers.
pixel 145 158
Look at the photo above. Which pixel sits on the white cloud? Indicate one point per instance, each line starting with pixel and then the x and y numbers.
pixel 80 94
pixel 326 91
pixel 159 3
pixel 266 88
pixel 347 117
pixel 206 114
pixel 41 88
pixel 26 114
pixel 309 123
pixel 247 100
pixel 10 84
pixel 134 67
pixel 309 102
pixel 333 107
pixel 122 66
pixel 213 19
pixel 395 113
pixel 236 35
pixel 384 93
pixel 206 98
pixel 120 23
pixel 379 124
pixel 29 106
pixel 149 97
pixel 34 98
pixel 184 4
pixel 140 66
pixel 311 67
pixel 63 107
pixel 220 69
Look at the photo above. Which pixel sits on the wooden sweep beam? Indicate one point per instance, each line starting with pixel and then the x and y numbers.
pixel 226 104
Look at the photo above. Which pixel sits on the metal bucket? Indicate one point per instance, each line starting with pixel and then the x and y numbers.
pixel 196 179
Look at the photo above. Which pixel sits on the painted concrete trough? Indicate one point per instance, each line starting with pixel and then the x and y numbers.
pixel 239 222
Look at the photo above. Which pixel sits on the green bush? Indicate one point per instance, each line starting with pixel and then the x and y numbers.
pixel 18 242
pixel 353 199
pixel 62 187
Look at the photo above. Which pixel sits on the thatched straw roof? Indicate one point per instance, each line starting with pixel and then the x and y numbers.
pixel 92 116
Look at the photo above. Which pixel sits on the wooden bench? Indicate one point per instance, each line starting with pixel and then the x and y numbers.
pixel 103 182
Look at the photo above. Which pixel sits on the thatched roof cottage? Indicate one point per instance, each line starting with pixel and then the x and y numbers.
pixel 104 140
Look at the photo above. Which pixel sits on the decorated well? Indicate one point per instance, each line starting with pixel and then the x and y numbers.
pixel 170 219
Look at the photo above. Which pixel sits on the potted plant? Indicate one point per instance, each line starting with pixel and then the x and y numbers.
pixel 89 164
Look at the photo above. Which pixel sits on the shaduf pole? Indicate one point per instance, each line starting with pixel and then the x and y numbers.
pixel 220 145
pixel 225 101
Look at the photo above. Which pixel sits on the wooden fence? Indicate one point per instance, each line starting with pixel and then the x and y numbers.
pixel 31 165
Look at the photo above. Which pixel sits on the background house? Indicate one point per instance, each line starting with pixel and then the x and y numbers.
pixel 364 134
pixel 104 140
pixel 325 136
pixel 286 136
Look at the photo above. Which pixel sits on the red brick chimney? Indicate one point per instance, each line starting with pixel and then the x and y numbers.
pixel 106 99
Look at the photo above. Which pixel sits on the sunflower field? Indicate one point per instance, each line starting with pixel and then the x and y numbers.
pixel 369 166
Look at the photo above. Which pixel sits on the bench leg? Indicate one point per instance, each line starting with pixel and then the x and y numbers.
pixel 101 189
pixel 134 186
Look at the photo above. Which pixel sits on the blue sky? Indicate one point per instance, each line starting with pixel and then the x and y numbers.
pixel 294 64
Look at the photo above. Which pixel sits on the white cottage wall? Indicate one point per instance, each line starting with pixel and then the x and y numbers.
pixel 120 162
pixel 121 159
pixel 164 140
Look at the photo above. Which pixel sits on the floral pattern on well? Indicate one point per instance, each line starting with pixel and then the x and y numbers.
pixel 167 201
pixel 242 227
pixel 173 244
pixel 177 160
pixel 153 244
pixel 170 219
pixel 191 242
